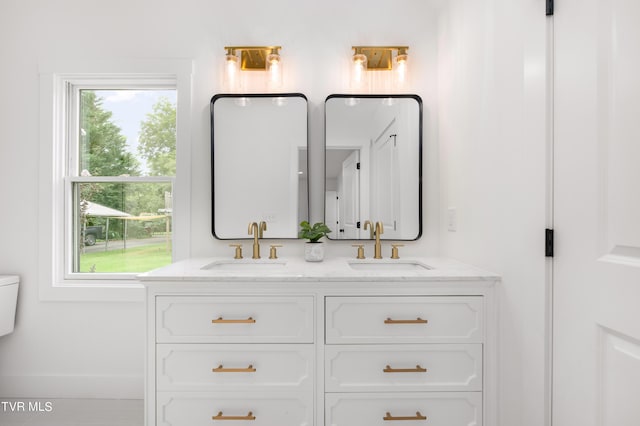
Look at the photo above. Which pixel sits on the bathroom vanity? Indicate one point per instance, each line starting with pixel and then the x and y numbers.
pixel 342 342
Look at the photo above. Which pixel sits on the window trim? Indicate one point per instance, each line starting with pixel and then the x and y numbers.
pixel 56 78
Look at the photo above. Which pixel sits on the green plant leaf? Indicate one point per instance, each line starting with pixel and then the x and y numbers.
pixel 313 233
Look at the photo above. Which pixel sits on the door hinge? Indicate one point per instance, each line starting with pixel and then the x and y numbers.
pixel 357 166
pixel 550 7
pixel 548 242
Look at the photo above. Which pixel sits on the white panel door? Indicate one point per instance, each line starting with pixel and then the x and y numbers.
pixel 385 197
pixel 331 214
pixel 596 355
pixel 350 199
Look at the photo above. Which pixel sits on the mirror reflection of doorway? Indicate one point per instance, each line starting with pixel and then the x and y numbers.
pixel 387 133
pixel 302 176
pixel 343 193
pixel 385 180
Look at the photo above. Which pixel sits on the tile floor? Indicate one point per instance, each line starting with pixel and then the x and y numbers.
pixel 71 412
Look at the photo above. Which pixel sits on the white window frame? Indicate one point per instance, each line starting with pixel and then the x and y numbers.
pixel 58 81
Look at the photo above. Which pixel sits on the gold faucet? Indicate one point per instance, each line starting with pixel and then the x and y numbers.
pixel 253 229
pixel 369 224
pixel 377 249
pixel 262 226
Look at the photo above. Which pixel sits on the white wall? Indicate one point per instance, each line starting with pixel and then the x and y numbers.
pixel 491 153
pixel 96 349
pixel 492 142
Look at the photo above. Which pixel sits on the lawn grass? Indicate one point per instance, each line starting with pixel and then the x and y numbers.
pixel 136 259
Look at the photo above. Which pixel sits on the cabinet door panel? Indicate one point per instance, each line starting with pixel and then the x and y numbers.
pixel 441 409
pixel 371 368
pixel 228 319
pixel 255 409
pixel 206 367
pixel 425 319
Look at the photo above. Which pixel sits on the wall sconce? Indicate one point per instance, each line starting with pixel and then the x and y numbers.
pixel 379 58
pixel 252 58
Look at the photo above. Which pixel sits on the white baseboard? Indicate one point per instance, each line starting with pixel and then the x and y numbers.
pixel 103 387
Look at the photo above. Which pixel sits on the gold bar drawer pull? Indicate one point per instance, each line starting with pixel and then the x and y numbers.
pixel 418 369
pixel 220 416
pixel 418 416
pixel 221 320
pixel 415 321
pixel 221 369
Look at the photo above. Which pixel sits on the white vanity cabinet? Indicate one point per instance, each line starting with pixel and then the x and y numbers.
pixel 392 345
pixel 225 358
pixel 318 350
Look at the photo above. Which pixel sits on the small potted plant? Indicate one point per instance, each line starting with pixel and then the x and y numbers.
pixel 314 249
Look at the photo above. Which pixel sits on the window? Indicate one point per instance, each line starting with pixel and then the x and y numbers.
pixel 113 145
pixel 120 179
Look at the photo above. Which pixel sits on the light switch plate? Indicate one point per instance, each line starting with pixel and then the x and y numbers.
pixel 452 219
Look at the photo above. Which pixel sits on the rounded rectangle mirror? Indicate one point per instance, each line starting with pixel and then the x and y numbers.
pixel 373 166
pixel 259 164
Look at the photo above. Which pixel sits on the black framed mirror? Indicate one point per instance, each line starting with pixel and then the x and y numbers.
pixel 259 164
pixel 373 166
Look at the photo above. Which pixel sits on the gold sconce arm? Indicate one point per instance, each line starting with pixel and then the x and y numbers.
pixel 253 58
pixel 379 58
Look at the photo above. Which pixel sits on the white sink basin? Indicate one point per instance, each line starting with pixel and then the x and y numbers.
pixel 389 266
pixel 248 266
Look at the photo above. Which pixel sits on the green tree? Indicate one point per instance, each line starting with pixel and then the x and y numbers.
pixel 146 197
pixel 103 148
pixel 103 152
pixel 157 142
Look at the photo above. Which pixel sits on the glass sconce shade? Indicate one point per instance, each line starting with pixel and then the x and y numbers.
pixel 232 72
pixel 274 70
pixel 358 71
pixel 401 71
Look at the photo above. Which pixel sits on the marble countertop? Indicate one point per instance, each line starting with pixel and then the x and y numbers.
pixel 331 269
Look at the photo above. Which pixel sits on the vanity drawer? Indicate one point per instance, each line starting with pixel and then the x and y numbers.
pixel 376 368
pixel 207 367
pixel 441 409
pixel 421 319
pixel 256 409
pixel 230 319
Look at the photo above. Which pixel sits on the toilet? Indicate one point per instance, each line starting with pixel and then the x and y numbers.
pixel 8 301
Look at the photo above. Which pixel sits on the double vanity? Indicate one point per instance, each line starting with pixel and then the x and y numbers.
pixel 344 342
